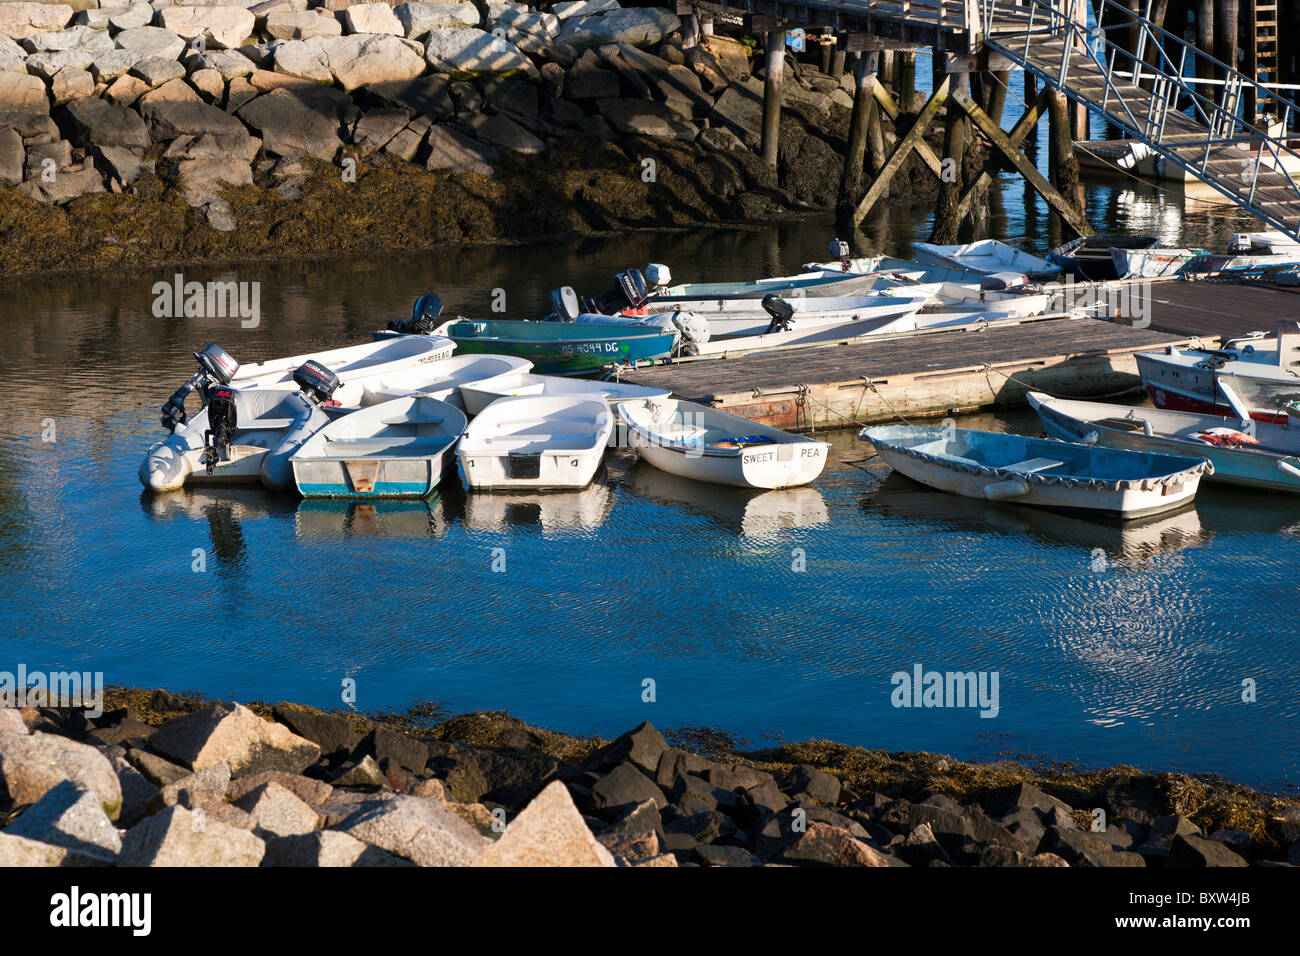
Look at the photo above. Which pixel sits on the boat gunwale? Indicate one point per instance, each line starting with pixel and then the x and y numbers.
pixel 1203 467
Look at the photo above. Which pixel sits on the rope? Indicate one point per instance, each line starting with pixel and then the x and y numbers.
pixel 986 367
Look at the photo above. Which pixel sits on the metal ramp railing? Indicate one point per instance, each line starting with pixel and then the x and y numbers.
pixel 1145 91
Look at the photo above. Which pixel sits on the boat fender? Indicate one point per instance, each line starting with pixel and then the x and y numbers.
pixel 1003 490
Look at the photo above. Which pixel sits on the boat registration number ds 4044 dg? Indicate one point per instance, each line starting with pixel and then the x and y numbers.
pixel 591 348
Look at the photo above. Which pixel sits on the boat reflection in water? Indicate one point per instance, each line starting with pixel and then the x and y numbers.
pixel 1126 542
pixel 324 519
pixel 225 509
pixel 746 513
pixel 552 511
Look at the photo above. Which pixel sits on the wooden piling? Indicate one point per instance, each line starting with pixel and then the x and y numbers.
pixel 1064 164
pixel 775 73
pixel 863 103
pixel 956 128
pixel 907 80
pixel 690 31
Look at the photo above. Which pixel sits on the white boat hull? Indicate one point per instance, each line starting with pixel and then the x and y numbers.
pixel 477 396
pixel 1273 465
pixel 536 443
pixel 685 439
pixel 396 449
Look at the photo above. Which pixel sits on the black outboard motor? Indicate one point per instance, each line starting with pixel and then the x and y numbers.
pixel 629 291
pixel 781 311
pixel 223 419
pixel 216 368
pixel 565 306
pixel 424 317
pixel 318 382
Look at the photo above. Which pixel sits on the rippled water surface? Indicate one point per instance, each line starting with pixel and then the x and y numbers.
pixel 641 576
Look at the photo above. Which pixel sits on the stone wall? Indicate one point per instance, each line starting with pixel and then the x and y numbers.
pixel 202 97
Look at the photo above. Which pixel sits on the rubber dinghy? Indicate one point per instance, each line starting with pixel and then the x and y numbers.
pixel 266 409
pixel 553 442
pixel 698 442
pixel 396 449
pixel 1039 472
pixel 243 435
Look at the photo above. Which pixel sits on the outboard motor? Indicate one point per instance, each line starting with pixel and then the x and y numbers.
pixel 216 368
pixel 781 311
pixel 318 382
pixel 628 292
pixel 223 419
pixel 424 317
pixel 564 304
pixel 658 275
pixel 840 250
pixel 693 330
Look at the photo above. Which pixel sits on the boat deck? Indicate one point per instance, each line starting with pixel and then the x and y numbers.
pixel 916 374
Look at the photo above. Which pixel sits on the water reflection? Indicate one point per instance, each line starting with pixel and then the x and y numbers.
pixel 552 511
pixel 327 519
pixel 1128 542
pixel 746 513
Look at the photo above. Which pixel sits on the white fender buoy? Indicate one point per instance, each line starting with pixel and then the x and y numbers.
pixel 1002 490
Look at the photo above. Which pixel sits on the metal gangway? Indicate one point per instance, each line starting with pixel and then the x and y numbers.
pixel 1146 92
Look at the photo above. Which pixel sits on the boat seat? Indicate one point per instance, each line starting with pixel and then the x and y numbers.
pixel 539 436
pixel 412 420
pixel 1032 465
pixel 345 446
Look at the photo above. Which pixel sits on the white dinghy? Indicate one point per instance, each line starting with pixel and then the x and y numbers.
pixel 1040 472
pixel 442 379
pixel 698 442
pixel 479 395
pixel 396 449
pixel 985 257
pixel 556 441
pixel 354 365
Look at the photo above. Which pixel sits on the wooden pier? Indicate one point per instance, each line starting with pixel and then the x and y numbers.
pixel 916 375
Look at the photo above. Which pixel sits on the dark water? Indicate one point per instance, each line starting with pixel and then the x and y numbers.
pixel 643 576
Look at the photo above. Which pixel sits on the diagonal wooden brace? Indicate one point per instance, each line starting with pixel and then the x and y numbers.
pixel 923 149
pixel 901 150
pixel 1060 205
pixel 1019 133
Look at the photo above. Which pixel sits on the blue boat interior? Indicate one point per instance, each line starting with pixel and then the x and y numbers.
pixel 1041 456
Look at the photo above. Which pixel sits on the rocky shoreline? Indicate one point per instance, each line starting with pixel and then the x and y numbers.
pixel 161 779
pixel 153 133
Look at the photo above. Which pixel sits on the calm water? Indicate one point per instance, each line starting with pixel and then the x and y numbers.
pixel 642 575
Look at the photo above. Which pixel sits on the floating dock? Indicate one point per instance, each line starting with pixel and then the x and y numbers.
pixel 917 374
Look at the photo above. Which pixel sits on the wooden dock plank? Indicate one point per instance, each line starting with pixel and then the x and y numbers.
pixel 916 374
